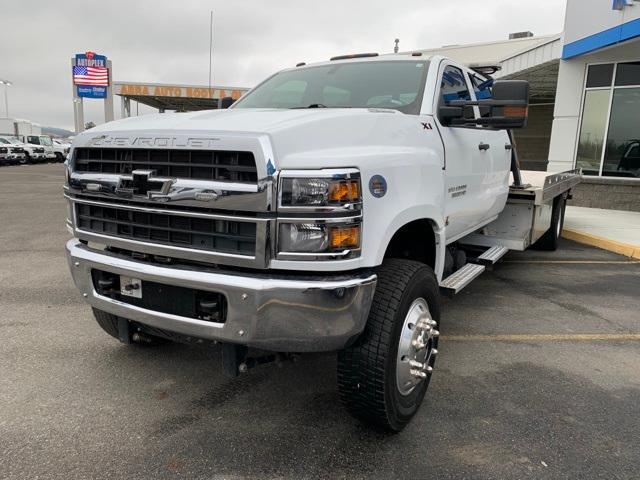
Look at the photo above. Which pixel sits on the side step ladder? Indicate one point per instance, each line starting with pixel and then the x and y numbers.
pixel 459 279
pixel 492 255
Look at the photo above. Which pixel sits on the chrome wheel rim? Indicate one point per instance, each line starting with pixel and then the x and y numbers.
pixel 417 347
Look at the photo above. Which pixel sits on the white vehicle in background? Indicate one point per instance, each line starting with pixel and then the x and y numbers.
pixel 11 154
pixel 61 149
pixel 44 142
pixel 31 153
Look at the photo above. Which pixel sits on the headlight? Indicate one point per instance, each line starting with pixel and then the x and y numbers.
pixel 327 238
pixel 324 189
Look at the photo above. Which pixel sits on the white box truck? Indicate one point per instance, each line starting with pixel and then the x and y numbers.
pixel 326 210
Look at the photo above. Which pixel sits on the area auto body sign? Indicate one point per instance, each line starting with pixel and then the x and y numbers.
pixel 91 75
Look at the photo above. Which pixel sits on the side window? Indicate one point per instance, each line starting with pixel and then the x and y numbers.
pixel 453 86
pixel 33 140
pixel 481 87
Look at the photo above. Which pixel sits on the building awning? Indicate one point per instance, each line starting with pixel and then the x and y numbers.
pixel 182 98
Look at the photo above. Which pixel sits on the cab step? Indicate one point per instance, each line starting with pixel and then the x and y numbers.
pixel 492 255
pixel 455 282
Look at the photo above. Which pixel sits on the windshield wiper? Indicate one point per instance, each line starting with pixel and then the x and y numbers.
pixel 313 105
pixel 320 105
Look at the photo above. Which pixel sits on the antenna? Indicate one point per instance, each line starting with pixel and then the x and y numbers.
pixel 210 46
pixel 395 49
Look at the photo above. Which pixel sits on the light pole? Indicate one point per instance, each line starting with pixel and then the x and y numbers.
pixel 6 84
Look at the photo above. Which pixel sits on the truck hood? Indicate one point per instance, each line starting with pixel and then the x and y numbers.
pixel 241 120
pixel 299 138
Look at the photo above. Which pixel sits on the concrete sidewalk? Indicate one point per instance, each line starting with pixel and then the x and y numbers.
pixel 614 230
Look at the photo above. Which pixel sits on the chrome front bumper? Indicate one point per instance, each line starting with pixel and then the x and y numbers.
pixel 278 313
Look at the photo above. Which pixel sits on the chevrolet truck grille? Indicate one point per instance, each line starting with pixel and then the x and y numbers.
pixel 226 236
pixel 215 165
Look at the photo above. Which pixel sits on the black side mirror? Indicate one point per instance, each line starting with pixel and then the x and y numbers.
pixel 447 114
pixel 507 108
pixel 225 102
pixel 514 96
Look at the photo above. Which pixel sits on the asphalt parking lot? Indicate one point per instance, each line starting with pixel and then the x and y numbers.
pixel 538 377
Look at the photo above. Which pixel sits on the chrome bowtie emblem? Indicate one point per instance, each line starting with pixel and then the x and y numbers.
pixel 142 182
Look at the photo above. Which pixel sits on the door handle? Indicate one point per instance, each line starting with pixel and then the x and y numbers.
pixel 507 146
pixel 484 146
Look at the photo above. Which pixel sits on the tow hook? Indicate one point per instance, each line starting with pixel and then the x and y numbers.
pixel 235 359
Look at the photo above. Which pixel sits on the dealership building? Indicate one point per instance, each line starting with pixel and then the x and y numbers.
pixel 585 97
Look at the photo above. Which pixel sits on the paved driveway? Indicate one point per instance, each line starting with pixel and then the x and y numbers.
pixel 538 377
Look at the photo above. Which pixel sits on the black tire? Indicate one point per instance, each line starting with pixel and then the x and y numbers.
pixel 367 379
pixel 549 241
pixel 59 157
pixel 109 323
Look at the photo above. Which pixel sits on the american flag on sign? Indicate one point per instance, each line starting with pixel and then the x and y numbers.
pixel 98 76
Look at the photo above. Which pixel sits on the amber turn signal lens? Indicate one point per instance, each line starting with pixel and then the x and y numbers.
pixel 344 191
pixel 515 111
pixel 345 237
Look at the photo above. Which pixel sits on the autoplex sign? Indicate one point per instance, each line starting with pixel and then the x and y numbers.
pixel 91 75
pixel 141 90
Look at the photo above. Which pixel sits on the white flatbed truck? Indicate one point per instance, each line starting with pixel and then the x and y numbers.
pixel 325 211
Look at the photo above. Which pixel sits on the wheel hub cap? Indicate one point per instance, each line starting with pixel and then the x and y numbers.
pixel 417 348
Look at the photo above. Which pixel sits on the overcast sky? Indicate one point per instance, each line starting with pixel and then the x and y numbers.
pixel 161 41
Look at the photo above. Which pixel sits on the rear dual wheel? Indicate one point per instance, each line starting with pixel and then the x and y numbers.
pixel 383 377
pixel 549 241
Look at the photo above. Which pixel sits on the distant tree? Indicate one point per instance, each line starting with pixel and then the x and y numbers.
pixel 89 125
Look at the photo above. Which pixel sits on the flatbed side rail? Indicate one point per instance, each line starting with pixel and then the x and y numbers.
pixel 559 183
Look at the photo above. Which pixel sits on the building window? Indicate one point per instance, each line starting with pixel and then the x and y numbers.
pixel 609 141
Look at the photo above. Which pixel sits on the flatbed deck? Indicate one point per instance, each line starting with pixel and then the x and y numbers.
pixel 544 186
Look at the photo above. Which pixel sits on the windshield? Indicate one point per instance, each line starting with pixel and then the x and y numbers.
pixel 398 85
pixel 11 140
pixel 45 141
pixel 4 141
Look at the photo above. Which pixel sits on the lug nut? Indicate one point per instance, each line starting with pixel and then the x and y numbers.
pixel 418 344
pixel 433 323
pixel 416 364
pixel 242 368
pixel 418 373
pixel 424 325
pixel 435 333
pixel 434 351
pixel 429 369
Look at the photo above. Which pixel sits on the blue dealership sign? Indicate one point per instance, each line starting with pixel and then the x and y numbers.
pixel 92 92
pixel 91 75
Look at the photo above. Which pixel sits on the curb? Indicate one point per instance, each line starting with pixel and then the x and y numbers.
pixel 626 249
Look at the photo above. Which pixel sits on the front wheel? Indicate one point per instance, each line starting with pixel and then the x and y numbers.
pixel 383 377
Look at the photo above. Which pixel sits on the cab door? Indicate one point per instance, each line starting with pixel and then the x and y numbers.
pixel 468 164
pixel 496 184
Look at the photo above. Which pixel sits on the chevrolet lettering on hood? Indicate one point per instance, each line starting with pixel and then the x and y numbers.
pixel 160 142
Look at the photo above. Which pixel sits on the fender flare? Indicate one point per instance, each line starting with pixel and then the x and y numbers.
pixel 420 212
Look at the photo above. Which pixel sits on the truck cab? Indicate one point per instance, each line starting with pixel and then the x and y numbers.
pixel 326 210
pixel 43 142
